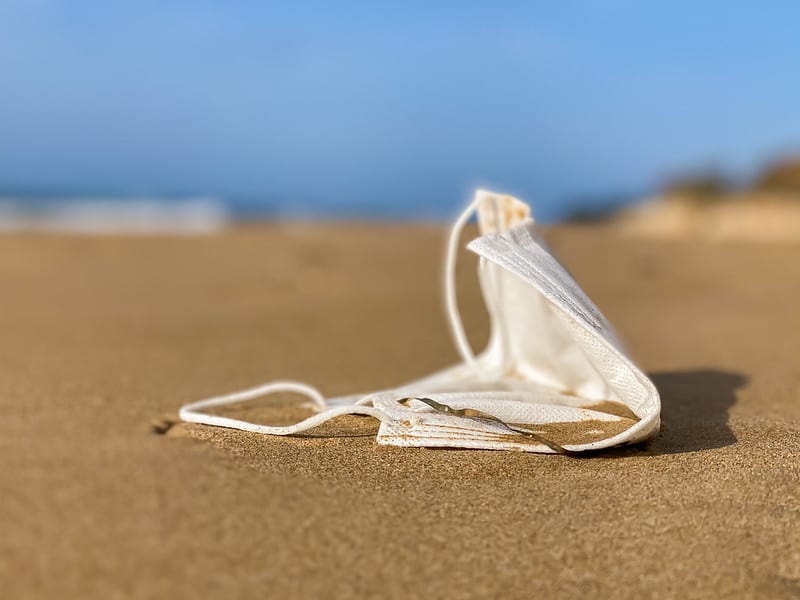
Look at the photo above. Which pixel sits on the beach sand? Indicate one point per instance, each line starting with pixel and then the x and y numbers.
pixel 102 339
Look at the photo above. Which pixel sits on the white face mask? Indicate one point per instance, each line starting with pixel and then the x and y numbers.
pixel 553 378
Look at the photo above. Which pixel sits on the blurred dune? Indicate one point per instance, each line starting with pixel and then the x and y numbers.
pixel 707 206
pixel 751 217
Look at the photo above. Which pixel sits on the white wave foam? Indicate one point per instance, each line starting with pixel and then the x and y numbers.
pixel 114 216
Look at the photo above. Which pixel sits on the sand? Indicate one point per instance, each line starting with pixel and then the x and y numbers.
pixel 101 339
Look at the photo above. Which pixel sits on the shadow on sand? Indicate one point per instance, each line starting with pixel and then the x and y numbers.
pixel 694 411
pixel 695 408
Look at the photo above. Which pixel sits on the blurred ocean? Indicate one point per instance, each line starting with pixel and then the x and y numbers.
pixel 110 215
pixel 100 214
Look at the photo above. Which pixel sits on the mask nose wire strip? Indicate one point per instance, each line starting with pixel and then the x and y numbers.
pixel 451 302
pixel 191 413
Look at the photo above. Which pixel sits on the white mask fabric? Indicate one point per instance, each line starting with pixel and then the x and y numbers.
pixel 553 378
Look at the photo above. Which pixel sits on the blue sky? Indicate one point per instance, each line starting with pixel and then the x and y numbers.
pixel 362 108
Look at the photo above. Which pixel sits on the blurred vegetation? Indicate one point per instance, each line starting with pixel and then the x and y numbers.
pixel 781 176
pixel 703 186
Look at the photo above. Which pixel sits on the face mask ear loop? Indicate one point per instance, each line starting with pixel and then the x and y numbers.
pixel 192 413
pixel 451 302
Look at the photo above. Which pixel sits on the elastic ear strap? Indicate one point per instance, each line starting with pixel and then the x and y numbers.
pixel 191 413
pixel 451 301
